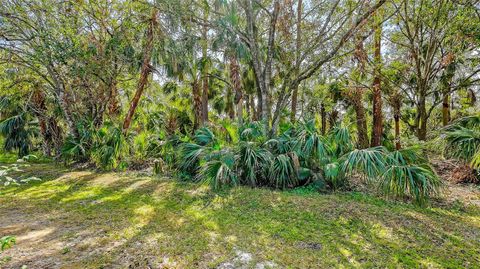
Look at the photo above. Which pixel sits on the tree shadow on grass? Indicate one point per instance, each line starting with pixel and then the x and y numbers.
pixel 139 222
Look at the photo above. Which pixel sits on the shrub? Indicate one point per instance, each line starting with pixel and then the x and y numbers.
pixel 302 156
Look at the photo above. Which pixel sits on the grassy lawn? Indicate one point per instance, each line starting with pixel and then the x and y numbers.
pixel 81 219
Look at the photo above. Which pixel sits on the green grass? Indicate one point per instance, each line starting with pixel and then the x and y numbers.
pixel 7 157
pixel 95 220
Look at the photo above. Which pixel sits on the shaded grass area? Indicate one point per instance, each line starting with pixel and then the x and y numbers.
pixel 81 219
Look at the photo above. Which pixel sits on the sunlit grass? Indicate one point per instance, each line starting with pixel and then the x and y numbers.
pixel 191 227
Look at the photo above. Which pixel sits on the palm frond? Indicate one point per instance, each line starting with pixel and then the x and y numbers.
pixel 18 133
pixel 417 181
pixel 334 175
pixel 191 155
pixel 462 143
pixel 253 162
pixel 219 171
pixel 204 136
pixel 253 131
pixel 342 139
pixel 282 172
pixel 370 161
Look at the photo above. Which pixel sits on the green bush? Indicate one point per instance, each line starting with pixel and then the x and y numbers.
pixel 463 140
pixel 301 156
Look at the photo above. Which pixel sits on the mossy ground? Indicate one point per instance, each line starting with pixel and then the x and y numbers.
pixel 83 219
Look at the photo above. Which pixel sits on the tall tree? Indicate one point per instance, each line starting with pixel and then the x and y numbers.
pixel 146 69
pixel 298 48
pixel 377 130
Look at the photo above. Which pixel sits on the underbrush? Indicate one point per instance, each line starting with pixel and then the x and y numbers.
pixel 302 157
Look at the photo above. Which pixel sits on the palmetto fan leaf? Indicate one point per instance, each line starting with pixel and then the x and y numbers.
pixel 419 182
pixel 469 122
pixel 407 173
pixel 334 175
pixel 463 140
pixel 219 171
pixel 18 133
pixel 282 144
pixel 253 162
pixel 371 161
pixel 476 160
pixel 463 143
pixel 312 144
pixel 191 156
pixel 204 136
pixel 110 143
pixel 341 138
pixel 254 131
pixel 282 172
pixel 409 155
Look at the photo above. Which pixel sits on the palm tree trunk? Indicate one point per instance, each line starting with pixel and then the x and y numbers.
pixel 323 115
pixel 361 120
pixel 204 77
pixel 398 145
pixel 197 104
pixel 446 109
pixel 333 118
pixel 472 97
pixel 297 61
pixel 40 109
pixel 237 85
pixel 67 113
pixel 144 73
pixel 377 93
pixel 230 104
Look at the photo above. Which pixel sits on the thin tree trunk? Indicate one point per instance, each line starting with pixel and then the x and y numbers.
pixel 377 92
pixel 267 72
pixel 472 98
pixel 113 104
pixel 259 105
pixel 144 73
pixel 395 100
pixel 205 100
pixel 398 144
pixel 39 109
pixel 237 85
pixel 67 113
pixel 297 61
pixel 247 106
pixel 197 104
pixel 446 109
pixel 263 72
pixel 422 117
pixel 323 115
pixel 252 107
pixel 333 118
pixel 60 92
pixel 204 77
pixel 361 119
pixel 230 104
pixel 446 81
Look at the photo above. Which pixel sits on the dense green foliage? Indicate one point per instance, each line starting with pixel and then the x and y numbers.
pixel 301 156
pixel 270 93
pixel 463 139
